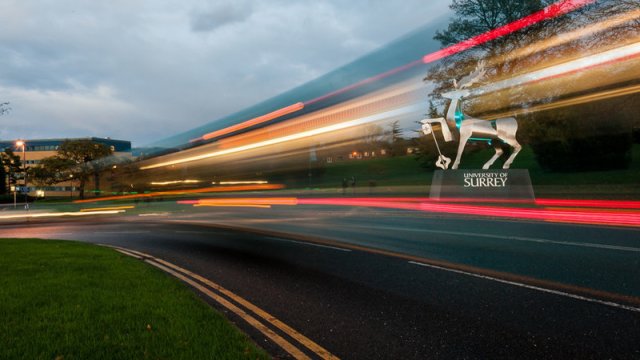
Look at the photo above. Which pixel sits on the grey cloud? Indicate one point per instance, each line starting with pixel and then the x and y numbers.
pixel 169 68
pixel 221 15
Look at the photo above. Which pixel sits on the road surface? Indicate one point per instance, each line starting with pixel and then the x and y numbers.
pixel 368 283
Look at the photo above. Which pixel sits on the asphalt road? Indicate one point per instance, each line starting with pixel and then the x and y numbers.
pixel 435 287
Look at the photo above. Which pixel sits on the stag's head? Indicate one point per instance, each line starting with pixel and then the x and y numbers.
pixel 426 126
pixel 456 94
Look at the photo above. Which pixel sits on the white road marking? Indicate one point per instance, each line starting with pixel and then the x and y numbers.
pixel 122 232
pixel 154 214
pixel 555 292
pixel 308 243
pixel 507 237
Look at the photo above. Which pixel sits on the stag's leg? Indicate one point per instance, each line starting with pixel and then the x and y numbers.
pixel 507 129
pixel 494 158
pixel 516 149
pixel 464 136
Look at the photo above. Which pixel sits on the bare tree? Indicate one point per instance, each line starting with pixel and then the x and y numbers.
pixel 4 108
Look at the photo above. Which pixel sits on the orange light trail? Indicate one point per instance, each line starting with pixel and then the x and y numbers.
pixel 188 191
pixel 241 182
pixel 296 136
pixel 109 208
pixel 632 89
pixel 255 121
pixel 266 201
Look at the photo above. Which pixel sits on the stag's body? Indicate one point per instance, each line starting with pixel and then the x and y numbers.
pixel 505 128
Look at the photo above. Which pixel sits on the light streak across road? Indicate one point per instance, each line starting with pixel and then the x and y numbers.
pixel 585 63
pixel 301 135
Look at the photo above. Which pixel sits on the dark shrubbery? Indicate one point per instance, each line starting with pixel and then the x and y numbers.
pixel 609 152
pixel 636 135
pixel 585 137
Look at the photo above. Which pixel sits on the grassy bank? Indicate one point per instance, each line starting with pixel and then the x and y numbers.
pixel 406 171
pixel 66 300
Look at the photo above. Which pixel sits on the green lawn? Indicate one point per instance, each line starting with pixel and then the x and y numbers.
pixel 68 300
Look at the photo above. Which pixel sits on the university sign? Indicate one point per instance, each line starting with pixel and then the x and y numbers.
pixel 473 179
pixel 512 184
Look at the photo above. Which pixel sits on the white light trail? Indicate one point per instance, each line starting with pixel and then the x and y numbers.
pixel 301 135
pixel 39 215
pixel 584 63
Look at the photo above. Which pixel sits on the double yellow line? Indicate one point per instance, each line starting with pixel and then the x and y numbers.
pixel 260 320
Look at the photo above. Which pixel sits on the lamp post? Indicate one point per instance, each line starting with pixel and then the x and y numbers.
pixel 70 187
pixel 13 187
pixel 24 169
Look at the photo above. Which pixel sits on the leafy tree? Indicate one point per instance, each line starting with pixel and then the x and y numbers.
pixel 397 144
pixel 372 139
pixel 79 159
pixel 53 170
pixel 8 160
pixel 474 17
pixel 11 166
pixel 122 174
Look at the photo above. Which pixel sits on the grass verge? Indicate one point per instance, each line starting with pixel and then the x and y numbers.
pixel 67 300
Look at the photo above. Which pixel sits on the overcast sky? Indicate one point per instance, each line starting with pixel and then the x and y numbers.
pixel 145 70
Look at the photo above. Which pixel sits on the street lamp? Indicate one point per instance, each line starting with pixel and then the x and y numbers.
pixel 20 143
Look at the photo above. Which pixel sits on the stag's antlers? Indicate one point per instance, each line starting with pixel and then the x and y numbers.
pixel 477 75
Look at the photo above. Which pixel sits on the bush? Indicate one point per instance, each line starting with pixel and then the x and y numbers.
pixel 593 136
pixel 584 154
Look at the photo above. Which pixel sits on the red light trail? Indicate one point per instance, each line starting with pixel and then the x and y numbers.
pixel 550 12
pixel 594 212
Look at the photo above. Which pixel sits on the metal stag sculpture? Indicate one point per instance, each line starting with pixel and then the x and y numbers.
pixel 504 128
